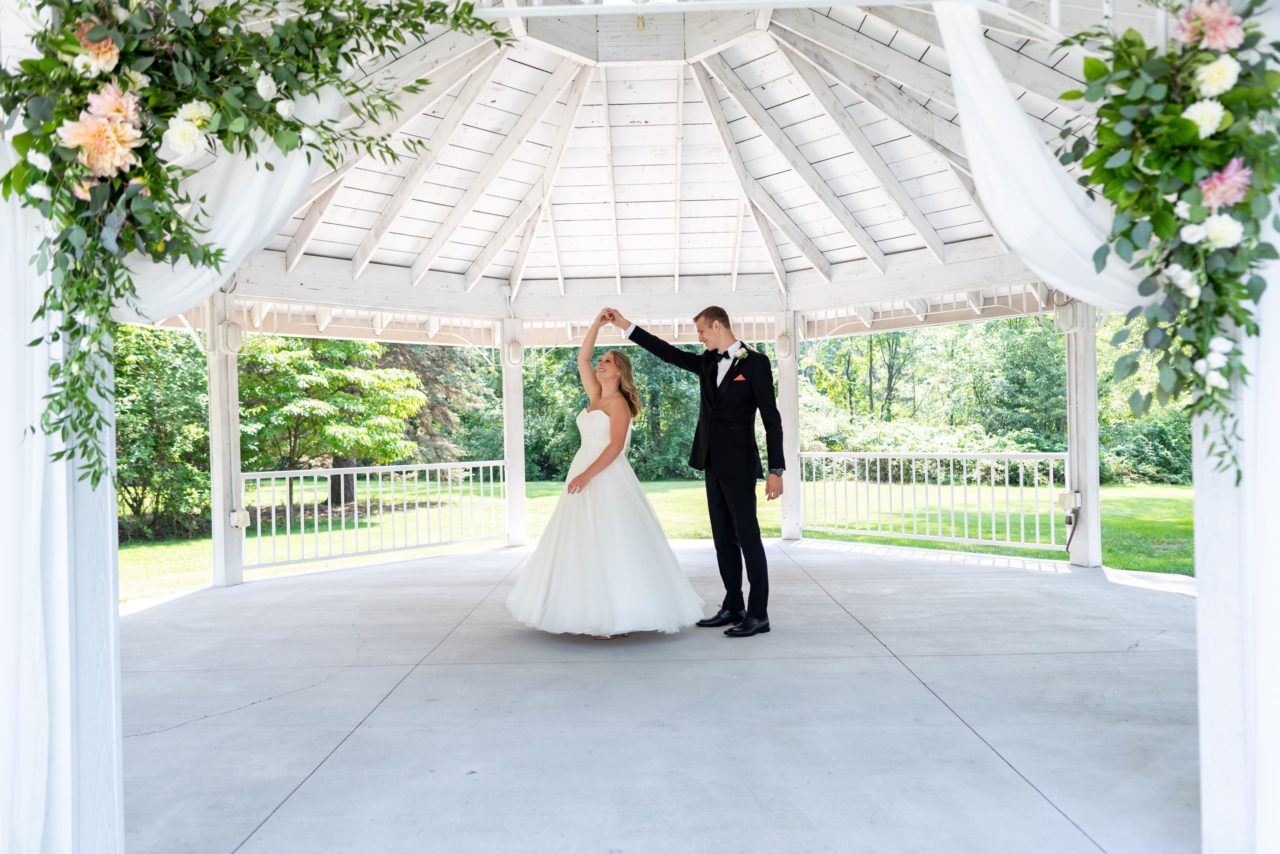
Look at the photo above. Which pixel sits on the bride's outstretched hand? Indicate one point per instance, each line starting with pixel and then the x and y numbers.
pixel 615 317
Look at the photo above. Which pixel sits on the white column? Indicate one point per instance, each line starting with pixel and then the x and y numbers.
pixel 1080 322
pixel 787 347
pixel 512 352
pixel 222 343
pixel 1238 598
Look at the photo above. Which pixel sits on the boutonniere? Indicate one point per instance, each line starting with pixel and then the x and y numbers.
pixel 740 355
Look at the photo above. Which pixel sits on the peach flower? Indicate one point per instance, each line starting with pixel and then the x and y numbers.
pixel 104 54
pixel 106 146
pixel 111 103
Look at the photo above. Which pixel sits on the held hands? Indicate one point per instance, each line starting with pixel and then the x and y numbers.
pixel 612 315
pixel 578 484
pixel 772 487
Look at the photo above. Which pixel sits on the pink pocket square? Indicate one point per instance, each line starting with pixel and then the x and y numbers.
pixel 739 379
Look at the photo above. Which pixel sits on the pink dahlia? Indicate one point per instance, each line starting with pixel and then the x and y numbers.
pixel 1211 25
pixel 1226 188
pixel 111 103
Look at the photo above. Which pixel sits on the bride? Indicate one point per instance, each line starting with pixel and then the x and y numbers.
pixel 603 566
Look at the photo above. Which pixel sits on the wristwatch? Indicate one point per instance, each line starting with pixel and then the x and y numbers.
pixel 778 472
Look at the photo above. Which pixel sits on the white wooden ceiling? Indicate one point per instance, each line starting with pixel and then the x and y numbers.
pixel 810 160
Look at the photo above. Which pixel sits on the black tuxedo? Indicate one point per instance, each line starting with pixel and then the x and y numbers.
pixel 724 447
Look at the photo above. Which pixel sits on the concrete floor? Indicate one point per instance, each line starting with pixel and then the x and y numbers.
pixel 905 701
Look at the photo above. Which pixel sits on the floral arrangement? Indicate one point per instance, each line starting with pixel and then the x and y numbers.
pixel 1187 151
pixel 117 95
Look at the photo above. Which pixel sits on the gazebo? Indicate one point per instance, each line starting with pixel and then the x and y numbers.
pixel 803 167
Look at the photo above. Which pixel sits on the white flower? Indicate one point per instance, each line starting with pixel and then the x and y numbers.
pixel 1171 198
pixel 1207 115
pixel 309 136
pixel 1216 360
pixel 121 14
pixel 183 137
pixel 285 109
pixel 1192 292
pixel 1179 275
pixel 1223 231
pixel 39 191
pixel 267 88
pixel 136 79
pixel 197 113
pixel 1222 344
pixel 1182 210
pixel 1216 380
pixel 1217 77
pixel 1201 367
pixel 39 160
pixel 85 66
pixel 1192 233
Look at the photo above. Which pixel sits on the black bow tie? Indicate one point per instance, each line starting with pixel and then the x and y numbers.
pixel 726 355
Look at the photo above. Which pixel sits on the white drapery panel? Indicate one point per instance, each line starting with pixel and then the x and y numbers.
pixel 60 737
pixel 1037 207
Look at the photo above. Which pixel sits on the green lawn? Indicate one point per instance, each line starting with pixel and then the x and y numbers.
pixel 1143 528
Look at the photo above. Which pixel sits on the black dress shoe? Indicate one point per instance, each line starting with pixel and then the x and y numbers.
pixel 724 618
pixel 748 627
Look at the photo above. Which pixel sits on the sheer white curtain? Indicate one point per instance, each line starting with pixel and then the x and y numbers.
pixel 1046 219
pixel 60 735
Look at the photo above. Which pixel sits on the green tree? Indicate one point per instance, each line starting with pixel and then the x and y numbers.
pixel 304 401
pixel 162 434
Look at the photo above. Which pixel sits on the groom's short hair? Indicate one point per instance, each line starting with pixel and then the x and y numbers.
pixel 713 313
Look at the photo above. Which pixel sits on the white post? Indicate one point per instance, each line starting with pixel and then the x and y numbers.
pixel 512 353
pixel 787 346
pixel 222 343
pixel 1080 322
pixel 1238 597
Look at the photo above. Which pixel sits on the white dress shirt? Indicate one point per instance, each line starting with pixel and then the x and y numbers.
pixel 722 366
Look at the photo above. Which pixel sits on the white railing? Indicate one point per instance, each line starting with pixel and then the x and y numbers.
pixel 320 514
pixel 988 499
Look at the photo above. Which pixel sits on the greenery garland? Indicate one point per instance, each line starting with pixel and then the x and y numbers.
pixel 117 93
pixel 1186 149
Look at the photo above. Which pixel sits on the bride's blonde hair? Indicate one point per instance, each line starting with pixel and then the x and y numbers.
pixel 626 381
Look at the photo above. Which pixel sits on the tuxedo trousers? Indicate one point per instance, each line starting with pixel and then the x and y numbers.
pixel 731 503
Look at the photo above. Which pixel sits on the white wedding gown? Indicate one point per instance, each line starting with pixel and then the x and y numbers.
pixel 603 565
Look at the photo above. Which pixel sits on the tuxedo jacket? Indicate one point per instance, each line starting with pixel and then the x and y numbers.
pixel 725 438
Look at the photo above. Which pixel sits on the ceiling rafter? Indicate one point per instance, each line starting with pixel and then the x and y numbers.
pixel 450 69
pixel 866 151
pixel 679 142
pixel 539 195
pixel 547 95
pixel 877 91
pixel 1023 71
pixel 790 152
pixel 522 254
pixel 417 172
pixel 737 248
pixel 935 131
pixel 761 201
pixel 609 182
pixel 845 41
pixel 775 257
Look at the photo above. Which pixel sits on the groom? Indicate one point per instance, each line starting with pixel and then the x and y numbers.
pixel 735 383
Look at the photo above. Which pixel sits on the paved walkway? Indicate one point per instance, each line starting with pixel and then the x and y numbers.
pixel 905 702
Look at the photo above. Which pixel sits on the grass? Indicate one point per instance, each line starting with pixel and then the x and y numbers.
pixel 1143 528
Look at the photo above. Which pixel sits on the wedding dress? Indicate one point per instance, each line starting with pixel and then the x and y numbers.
pixel 603 565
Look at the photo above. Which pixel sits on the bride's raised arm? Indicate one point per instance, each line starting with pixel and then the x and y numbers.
pixel 586 370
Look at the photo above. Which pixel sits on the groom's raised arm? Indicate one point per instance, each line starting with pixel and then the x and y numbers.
pixel 666 352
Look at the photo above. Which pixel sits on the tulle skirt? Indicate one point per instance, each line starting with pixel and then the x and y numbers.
pixel 604 566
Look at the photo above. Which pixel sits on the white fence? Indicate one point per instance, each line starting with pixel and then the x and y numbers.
pixel 988 499
pixel 318 514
